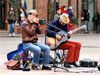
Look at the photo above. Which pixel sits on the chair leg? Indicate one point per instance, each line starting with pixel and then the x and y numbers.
pixel 30 59
pixel 55 65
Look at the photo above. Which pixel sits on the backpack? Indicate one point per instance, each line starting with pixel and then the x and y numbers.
pixel 12 64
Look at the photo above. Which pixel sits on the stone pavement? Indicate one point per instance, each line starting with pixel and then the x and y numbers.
pixel 90 50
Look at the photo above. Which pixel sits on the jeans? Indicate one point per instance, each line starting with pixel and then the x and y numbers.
pixel 12 23
pixel 86 23
pixel 36 48
pixel 20 23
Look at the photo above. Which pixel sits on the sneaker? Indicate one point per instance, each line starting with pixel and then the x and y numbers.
pixel 46 68
pixel 10 34
pixel 13 34
pixel 35 67
pixel 67 65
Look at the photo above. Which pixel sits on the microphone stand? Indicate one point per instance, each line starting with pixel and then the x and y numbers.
pixel 43 22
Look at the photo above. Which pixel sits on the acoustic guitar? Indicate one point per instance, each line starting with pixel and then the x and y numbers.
pixel 56 43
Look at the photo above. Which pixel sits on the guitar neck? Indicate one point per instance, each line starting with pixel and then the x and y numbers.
pixel 79 28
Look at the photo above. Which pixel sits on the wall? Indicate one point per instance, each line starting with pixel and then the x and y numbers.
pixel 79 11
pixel 92 12
pixel 73 4
pixel 98 4
pixel 29 4
pixel 42 10
pixel 6 12
pixel 41 7
pixel 63 2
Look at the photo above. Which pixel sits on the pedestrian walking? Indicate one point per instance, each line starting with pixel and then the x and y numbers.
pixel 86 16
pixel 11 19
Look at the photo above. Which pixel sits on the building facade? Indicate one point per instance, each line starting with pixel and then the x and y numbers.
pixel 79 6
pixel 2 14
pixel 47 9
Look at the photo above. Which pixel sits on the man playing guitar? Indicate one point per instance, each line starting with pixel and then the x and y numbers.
pixel 72 47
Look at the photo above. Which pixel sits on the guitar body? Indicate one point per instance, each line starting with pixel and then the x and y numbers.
pixel 63 40
pixel 51 41
pixel 54 42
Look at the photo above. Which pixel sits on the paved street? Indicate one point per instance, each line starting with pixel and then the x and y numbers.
pixel 90 50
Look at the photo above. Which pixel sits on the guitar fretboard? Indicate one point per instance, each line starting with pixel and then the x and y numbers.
pixel 72 31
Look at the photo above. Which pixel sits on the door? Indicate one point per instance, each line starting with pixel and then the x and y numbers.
pixel 91 8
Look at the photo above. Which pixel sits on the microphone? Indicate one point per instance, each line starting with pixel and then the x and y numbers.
pixel 42 21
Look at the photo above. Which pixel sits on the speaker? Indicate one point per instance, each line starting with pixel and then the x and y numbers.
pixel 99 67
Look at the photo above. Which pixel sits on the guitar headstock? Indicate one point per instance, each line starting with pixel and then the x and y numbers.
pixel 83 27
pixel 79 28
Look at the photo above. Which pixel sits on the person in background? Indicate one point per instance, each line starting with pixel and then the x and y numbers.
pixel 70 12
pixel 63 9
pixel 11 19
pixel 22 16
pixel 86 19
pixel 94 19
pixel 30 29
pixel 98 20
pixel 58 13
pixel 72 47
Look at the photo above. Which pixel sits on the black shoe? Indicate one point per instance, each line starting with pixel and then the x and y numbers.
pixel 26 69
pixel 75 64
pixel 67 65
pixel 86 32
pixel 46 68
pixel 35 67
